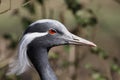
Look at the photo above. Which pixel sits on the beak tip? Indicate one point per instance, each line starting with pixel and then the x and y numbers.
pixel 93 45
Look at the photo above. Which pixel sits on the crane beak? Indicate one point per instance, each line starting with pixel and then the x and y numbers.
pixel 80 41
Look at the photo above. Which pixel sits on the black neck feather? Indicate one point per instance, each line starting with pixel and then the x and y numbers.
pixel 39 58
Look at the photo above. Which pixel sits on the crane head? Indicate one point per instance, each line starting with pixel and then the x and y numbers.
pixel 48 33
pixel 45 34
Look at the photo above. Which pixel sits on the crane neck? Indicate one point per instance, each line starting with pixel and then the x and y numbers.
pixel 39 58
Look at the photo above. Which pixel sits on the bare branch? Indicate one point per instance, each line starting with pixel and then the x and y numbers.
pixel 26 3
pixel 6 9
pixel 15 8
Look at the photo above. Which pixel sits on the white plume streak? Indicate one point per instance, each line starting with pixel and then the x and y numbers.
pixel 22 63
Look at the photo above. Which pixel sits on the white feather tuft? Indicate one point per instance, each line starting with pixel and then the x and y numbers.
pixel 22 63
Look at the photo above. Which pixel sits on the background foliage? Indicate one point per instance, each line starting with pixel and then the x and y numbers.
pixel 96 20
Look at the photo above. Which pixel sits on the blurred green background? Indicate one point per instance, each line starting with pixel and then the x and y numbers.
pixel 95 20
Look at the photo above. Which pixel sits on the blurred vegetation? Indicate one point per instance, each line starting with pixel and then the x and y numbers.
pixel 80 63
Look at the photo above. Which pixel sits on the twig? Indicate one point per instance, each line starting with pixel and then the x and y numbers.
pixel 15 8
pixel 26 3
pixel 7 9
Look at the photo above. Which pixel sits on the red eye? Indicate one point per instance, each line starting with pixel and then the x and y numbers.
pixel 52 31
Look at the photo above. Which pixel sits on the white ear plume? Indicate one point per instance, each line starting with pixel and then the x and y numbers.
pixel 22 62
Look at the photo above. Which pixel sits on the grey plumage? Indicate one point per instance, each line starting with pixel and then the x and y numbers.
pixel 35 44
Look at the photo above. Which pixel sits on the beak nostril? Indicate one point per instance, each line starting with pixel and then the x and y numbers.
pixel 74 38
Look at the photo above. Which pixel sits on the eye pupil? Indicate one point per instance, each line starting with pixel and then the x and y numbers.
pixel 52 31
